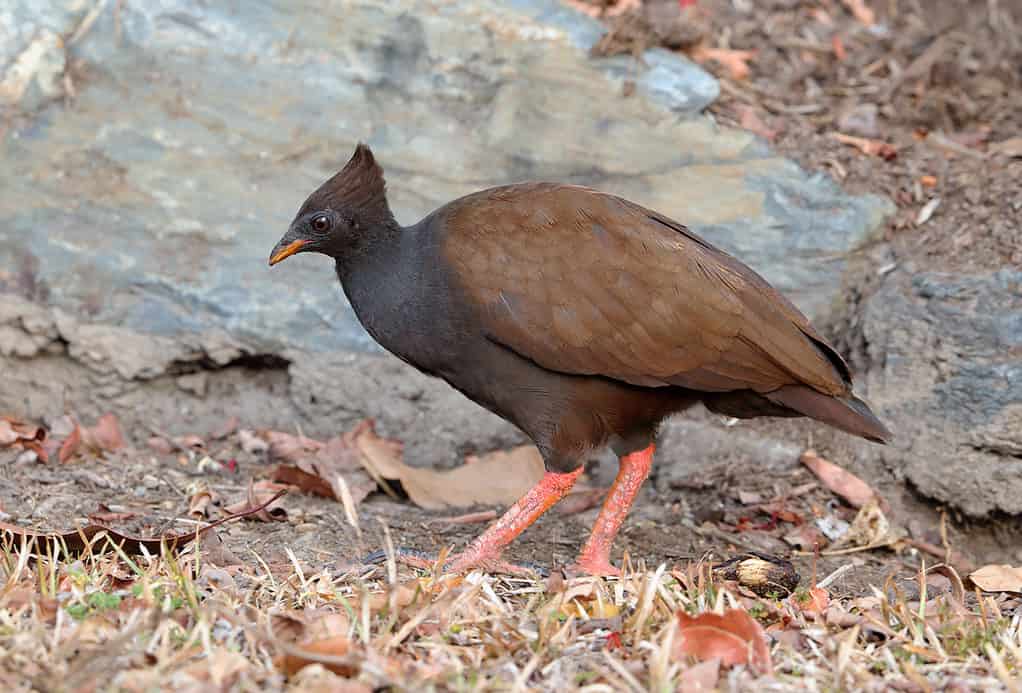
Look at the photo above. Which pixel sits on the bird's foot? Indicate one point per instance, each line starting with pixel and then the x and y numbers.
pixel 492 563
pixel 462 563
pixel 592 565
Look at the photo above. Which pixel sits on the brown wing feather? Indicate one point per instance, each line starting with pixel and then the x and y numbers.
pixel 588 283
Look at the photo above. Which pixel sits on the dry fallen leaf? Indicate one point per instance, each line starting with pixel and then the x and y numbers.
pixel 998 578
pixel 581 598
pixel 105 435
pixel 328 653
pixel 201 504
pixel 28 437
pixel 850 487
pixel 321 472
pixel 884 150
pixel 261 502
pixel 70 446
pixel 861 11
pixel 734 637
pixel 497 478
pixel 700 678
pixel 838 46
pixel 734 61
pixel 869 528
pixel 290 448
pixel 251 443
pixel 814 602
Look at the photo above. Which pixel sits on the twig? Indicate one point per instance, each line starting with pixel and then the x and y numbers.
pixel 835 575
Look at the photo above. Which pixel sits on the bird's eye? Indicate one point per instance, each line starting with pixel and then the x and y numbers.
pixel 321 223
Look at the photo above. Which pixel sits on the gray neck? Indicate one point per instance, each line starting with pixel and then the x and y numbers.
pixel 386 282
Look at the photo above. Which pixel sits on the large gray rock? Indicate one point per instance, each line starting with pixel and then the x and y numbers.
pixel 946 368
pixel 161 147
pixel 152 197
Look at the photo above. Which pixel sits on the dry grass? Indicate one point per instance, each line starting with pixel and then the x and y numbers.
pixel 104 621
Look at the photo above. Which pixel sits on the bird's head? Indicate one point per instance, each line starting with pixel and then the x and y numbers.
pixel 342 213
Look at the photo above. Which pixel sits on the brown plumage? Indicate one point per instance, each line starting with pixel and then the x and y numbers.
pixel 581 317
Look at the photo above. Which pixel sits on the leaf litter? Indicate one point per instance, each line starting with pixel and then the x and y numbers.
pixel 683 627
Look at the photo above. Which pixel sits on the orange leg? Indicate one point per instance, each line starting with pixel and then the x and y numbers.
pixel 485 551
pixel 595 556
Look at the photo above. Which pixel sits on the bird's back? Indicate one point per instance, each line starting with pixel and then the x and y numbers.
pixel 586 283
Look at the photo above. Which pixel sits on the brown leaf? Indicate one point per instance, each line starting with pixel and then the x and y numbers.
pixel 700 678
pixel 869 528
pixel 309 625
pixel 321 472
pixel 105 435
pixel 289 448
pixel 861 11
pixel 70 446
pixel 998 578
pixel 77 539
pixel 26 436
pixel 734 637
pixel 330 653
pixel 306 481
pixel 251 442
pixel 260 503
pixel 201 504
pixel 884 150
pixel 838 46
pixel 813 602
pixel 850 487
pixel 497 478
pixel 734 61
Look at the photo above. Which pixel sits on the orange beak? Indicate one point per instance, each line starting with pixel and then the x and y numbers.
pixel 287 251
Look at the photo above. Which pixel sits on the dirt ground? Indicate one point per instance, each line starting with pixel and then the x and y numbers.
pixel 943 121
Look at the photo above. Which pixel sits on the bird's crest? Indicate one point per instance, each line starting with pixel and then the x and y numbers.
pixel 359 187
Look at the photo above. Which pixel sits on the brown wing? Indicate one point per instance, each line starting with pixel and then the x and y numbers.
pixel 588 283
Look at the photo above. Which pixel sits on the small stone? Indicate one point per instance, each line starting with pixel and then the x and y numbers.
pixel 860 120
pixel 150 481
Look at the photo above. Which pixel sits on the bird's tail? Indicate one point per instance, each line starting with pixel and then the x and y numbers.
pixel 850 414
